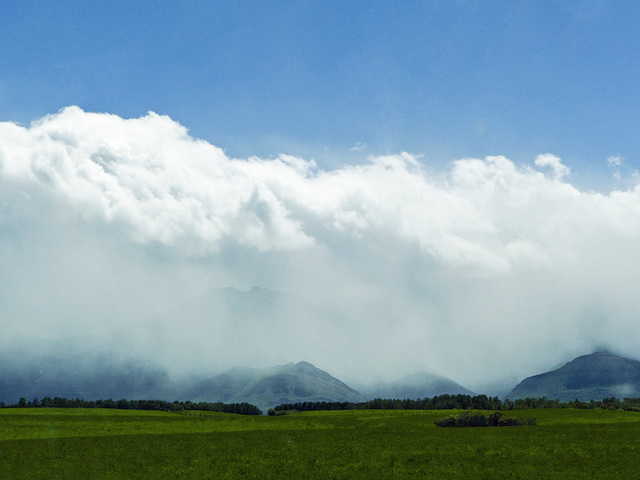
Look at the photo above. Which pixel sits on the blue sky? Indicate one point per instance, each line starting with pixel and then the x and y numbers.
pixel 447 79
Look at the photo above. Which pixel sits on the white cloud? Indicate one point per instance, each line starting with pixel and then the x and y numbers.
pixel 614 161
pixel 484 267
pixel 548 160
pixel 359 147
pixel 149 175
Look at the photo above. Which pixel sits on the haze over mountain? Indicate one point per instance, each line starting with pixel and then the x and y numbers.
pixel 146 359
pixel 73 375
pixel 59 369
pixel 588 377
pixel 222 328
pixel 191 352
pixel 269 387
pixel 414 386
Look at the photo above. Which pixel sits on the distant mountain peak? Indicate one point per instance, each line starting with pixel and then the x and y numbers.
pixel 588 377
pixel 272 386
pixel 306 366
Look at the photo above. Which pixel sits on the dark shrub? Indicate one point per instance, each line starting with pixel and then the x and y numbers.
pixel 469 419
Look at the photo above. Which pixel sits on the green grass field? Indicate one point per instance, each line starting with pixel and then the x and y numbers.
pixel 67 443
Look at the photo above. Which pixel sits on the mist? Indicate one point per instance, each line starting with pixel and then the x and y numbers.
pixel 486 271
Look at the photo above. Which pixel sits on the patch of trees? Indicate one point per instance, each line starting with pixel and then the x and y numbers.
pixel 123 404
pixel 439 402
pixel 478 419
pixel 458 402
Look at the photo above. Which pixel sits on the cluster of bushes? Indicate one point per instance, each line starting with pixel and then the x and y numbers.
pixel 123 404
pixel 477 419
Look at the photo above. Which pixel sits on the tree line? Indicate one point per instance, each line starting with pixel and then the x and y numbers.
pixel 458 402
pixel 123 404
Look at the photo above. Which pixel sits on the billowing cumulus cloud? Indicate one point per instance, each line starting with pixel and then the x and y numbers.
pixel 148 175
pixel 486 270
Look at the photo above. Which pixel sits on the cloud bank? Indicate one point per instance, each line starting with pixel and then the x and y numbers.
pixel 488 269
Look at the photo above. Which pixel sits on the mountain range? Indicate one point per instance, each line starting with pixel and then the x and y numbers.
pixel 588 377
pixel 50 375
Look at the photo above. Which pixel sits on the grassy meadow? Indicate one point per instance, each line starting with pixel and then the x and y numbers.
pixel 94 443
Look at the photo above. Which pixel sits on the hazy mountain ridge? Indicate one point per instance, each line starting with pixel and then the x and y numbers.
pixel 264 388
pixel 92 377
pixel 74 374
pixel 268 387
pixel 414 386
pixel 588 377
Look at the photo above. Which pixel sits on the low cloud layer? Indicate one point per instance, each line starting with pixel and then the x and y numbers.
pixel 486 271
